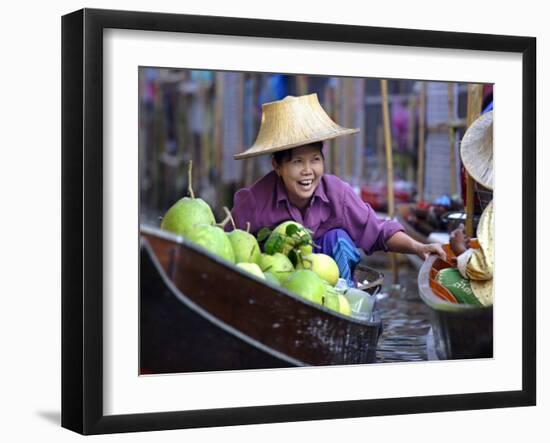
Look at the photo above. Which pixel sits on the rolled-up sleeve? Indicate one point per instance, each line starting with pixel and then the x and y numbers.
pixel 244 210
pixel 368 231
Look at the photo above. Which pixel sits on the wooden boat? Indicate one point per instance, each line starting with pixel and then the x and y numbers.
pixel 403 215
pixel 199 313
pixel 460 331
pixel 416 224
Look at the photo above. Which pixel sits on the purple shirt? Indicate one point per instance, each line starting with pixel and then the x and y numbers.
pixel 334 204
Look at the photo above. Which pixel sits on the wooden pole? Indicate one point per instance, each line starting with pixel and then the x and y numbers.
pixel 359 122
pixel 253 125
pixel 421 142
pixel 218 115
pixel 349 112
pixel 389 165
pixel 411 109
pixel 203 136
pixel 380 154
pixel 329 144
pixel 452 136
pixel 301 84
pixel 475 97
pixel 337 117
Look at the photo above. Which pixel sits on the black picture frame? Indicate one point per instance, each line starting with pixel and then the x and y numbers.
pixel 82 218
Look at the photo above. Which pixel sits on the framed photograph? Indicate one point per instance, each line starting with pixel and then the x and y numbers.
pixel 186 305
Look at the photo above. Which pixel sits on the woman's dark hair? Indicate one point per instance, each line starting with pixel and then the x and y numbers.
pixel 281 156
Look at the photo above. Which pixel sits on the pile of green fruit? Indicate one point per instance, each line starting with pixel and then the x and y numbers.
pixel 288 259
pixel 288 254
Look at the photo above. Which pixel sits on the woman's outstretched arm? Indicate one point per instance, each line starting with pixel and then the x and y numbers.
pixel 402 243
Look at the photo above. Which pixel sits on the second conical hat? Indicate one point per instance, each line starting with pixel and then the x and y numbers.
pixel 476 150
pixel 293 122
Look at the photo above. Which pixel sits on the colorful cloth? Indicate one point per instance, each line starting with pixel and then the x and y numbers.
pixel 339 245
pixel 477 264
pixel 457 285
pixel 333 205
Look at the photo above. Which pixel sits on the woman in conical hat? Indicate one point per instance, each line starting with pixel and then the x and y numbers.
pixel 473 278
pixel 292 131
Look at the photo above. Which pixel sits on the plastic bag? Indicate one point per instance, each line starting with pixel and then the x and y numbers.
pixel 361 303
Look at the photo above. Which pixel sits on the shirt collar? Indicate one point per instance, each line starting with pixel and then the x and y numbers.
pixel 320 192
pixel 281 194
pixel 280 190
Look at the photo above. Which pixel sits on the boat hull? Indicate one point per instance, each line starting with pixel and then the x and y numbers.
pixel 175 337
pixel 199 313
pixel 460 331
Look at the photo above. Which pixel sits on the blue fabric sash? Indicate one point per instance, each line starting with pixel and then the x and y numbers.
pixel 339 245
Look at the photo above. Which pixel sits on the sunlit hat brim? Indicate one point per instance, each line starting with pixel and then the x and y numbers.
pixel 476 150
pixel 293 122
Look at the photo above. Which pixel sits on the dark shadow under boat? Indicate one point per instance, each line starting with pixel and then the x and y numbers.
pixel 199 313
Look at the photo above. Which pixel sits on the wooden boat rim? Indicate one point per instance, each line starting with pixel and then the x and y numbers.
pixel 435 302
pixel 206 315
pixel 149 230
pixel 400 217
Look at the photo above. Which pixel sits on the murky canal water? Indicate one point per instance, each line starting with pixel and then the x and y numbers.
pixel 405 318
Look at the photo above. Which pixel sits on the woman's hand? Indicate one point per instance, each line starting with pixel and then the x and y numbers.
pixel 459 241
pixel 402 243
pixel 423 250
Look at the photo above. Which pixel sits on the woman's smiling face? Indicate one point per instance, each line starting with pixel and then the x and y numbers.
pixel 301 173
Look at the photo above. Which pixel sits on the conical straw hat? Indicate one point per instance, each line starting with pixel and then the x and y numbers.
pixel 293 122
pixel 476 150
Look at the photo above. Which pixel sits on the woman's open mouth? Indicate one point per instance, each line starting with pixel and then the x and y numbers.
pixel 305 184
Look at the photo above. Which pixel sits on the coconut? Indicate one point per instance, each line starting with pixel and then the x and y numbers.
pixel 213 239
pixel 186 213
pixel 323 265
pixel 306 284
pixel 277 264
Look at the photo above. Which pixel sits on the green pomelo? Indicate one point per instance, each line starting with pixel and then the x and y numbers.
pixel 185 214
pixel 291 241
pixel 345 308
pixel 281 228
pixel 305 250
pixel 338 303
pixel 278 264
pixel 323 265
pixel 245 246
pixel 252 268
pixel 271 278
pixel 213 239
pixel 306 284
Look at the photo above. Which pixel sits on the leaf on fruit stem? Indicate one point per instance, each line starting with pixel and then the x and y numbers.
pixel 274 244
pixel 263 234
pixel 293 257
pixel 291 230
